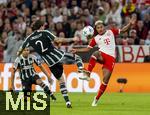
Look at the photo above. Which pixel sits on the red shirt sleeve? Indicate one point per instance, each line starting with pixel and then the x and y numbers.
pixel 115 31
pixel 92 43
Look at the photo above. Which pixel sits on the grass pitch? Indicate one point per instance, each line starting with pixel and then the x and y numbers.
pixel 109 104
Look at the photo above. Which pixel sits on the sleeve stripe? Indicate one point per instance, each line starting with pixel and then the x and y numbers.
pixel 89 46
pixel 119 31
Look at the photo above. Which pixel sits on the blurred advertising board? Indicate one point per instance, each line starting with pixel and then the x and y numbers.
pixel 132 53
pixel 126 53
pixel 136 74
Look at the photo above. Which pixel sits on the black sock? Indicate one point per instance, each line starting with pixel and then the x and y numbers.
pixel 64 91
pixel 46 89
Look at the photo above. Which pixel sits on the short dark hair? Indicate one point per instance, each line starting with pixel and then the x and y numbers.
pixel 37 24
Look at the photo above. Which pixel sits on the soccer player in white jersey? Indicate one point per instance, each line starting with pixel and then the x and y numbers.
pixel 105 40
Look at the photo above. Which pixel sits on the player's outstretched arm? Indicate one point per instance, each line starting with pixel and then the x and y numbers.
pixel 90 46
pixel 65 40
pixel 125 28
pixel 76 50
pixel 46 73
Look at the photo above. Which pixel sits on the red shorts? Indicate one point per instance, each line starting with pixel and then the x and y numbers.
pixel 109 61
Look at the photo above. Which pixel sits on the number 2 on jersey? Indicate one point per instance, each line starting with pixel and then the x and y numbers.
pixel 41 44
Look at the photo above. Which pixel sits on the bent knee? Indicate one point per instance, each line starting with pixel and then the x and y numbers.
pixel 98 56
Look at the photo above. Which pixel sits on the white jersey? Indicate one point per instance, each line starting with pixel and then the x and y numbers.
pixel 105 42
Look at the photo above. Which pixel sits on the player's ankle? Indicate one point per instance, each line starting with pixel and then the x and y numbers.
pixel 81 70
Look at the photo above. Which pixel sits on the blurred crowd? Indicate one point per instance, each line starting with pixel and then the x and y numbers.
pixel 66 18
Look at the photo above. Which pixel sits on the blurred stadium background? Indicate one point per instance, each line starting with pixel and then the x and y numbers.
pixel 66 18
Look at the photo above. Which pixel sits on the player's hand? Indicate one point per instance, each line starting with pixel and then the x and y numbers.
pixel 51 81
pixel 58 40
pixel 73 51
pixel 76 39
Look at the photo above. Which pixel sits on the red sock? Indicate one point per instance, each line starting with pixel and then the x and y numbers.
pixel 92 63
pixel 101 90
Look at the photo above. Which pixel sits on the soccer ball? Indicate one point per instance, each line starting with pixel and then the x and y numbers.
pixel 88 31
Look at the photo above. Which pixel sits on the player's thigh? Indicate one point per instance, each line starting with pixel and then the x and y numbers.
pixel 98 56
pixel 57 70
pixel 108 66
pixel 109 61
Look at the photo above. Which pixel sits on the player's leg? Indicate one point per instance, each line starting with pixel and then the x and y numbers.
pixel 96 57
pixel 64 91
pixel 26 88
pixel 38 81
pixel 57 71
pixel 103 86
pixel 107 70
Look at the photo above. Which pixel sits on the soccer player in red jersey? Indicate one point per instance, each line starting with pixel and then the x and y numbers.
pixel 105 40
